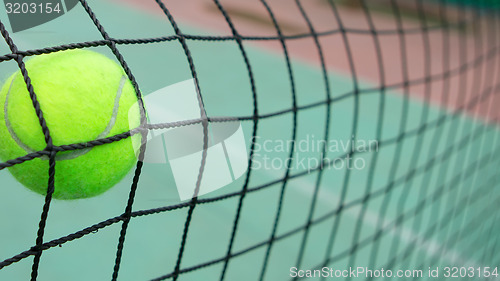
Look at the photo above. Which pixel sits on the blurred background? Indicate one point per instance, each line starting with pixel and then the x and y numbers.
pixel 418 79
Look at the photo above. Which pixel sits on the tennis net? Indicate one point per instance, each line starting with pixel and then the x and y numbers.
pixel 426 193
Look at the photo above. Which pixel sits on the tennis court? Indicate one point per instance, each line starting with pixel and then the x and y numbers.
pixel 423 147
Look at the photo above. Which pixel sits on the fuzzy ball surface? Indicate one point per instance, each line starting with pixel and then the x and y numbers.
pixel 84 96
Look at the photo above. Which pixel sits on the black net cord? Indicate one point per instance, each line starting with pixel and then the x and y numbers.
pixel 293 137
pixel 378 134
pixel 128 209
pixel 436 136
pixel 326 138
pixel 203 115
pixel 485 191
pixel 48 141
pixel 251 78
pixel 491 76
pixel 484 65
pixel 423 189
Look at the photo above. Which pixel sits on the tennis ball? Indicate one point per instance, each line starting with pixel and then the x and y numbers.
pixel 84 96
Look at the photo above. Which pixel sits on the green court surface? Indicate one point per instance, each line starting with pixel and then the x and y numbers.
pixel 420 183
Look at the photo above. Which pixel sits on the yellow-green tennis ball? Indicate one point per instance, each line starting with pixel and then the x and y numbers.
pixel 84 96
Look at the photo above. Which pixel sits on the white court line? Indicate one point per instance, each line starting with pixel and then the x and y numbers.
pixel 431 247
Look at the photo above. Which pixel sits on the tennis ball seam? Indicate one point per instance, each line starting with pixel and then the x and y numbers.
pixel 84 96
pixel 75 153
